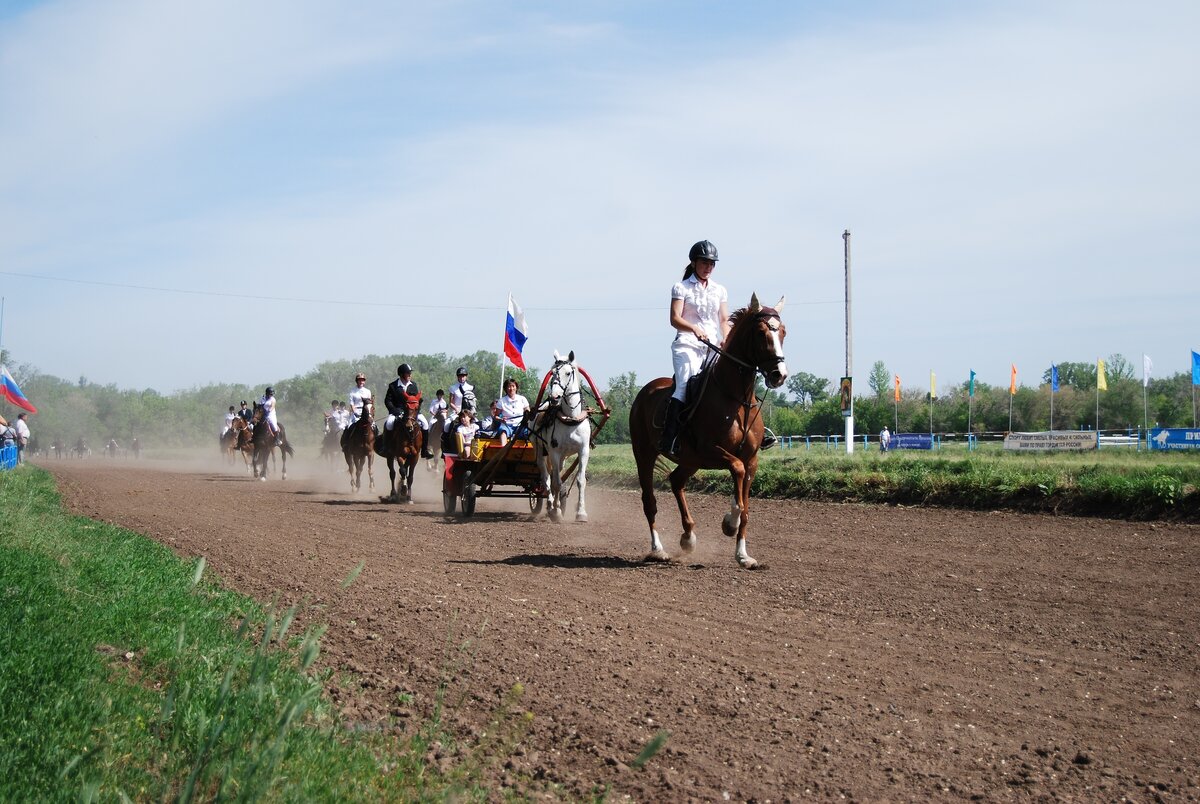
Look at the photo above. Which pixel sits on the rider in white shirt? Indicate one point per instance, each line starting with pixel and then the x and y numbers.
pixel 229 417
pixel 267 403
pixel 332 418
pixel 358 394
pixel 462 394
pixel 700 315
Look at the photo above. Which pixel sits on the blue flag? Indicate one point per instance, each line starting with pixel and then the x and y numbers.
pixel 971 391
pixel 1195 368
pixel 1053 378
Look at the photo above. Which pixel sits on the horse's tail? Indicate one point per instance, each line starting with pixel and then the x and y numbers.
pixel 287 448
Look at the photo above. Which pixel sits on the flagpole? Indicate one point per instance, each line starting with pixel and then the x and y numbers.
pixel 503 343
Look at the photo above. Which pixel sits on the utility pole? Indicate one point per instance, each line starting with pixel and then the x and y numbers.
pixel 849 349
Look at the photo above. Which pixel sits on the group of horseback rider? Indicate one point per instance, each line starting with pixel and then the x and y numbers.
pixel 699 314
pixel 265 403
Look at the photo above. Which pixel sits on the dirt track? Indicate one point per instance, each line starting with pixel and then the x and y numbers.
pixel 884 653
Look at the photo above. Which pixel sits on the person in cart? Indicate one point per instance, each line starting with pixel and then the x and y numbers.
pixel 465 432
pixel 513 407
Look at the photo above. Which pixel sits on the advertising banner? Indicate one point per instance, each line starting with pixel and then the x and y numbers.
pixel 1063 440
pixel 911 441
pixel 1174 438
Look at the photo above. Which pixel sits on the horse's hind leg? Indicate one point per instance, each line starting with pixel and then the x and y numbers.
pixel 679 479
pixel 371 471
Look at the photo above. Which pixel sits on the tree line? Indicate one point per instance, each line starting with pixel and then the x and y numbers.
pixel 807 405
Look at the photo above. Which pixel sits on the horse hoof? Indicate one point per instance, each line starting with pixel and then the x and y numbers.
pixel 581 517
pixel 659 556
pixel 263 478
pixel 728 525
pixel 555 516
pixel 749 563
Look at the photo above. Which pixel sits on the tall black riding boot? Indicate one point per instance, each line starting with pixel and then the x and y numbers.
pixel 670 427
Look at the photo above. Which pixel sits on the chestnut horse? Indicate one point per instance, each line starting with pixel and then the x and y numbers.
pixel 239 439
pixel 263 445
pixel 722 430
pixel 402 446
pixel 358 445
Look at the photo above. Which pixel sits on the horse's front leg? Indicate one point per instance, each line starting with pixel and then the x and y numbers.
pixel 743 476
pixel 554 503
pixel 283 463
pixel 350 472
pixel 371 471
pixel 679 478
pixel 581 483
pixel 391 464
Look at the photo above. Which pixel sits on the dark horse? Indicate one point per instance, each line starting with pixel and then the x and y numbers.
pixel 724 426
pixel 263 446
pixel 402 445
pixel 358 445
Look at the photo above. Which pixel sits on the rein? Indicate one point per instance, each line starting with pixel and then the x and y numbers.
pixel 750 403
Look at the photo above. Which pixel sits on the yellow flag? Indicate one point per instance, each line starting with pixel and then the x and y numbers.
pixel 932 385
pixel 1101 381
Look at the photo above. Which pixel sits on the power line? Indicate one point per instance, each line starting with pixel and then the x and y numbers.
pixel 344 302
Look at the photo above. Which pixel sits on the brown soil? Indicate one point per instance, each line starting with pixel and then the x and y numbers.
pixel 884 653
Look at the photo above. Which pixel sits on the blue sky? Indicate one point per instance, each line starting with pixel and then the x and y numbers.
pixel 1020 179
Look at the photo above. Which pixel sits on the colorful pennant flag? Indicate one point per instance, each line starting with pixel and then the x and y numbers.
pixel 11 392
pixel 1195 368
pixel 898 386
pixel 1053 377
pixel 515 333
pixel 1101 380
pixel 932 385
pixel 971 384
pixel 1012 382
pixel 1147 368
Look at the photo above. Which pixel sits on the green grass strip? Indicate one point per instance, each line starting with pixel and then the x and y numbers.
pixel 123 674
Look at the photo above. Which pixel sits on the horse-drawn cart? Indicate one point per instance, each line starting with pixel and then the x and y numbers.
pixel 492 471
pixel 520 467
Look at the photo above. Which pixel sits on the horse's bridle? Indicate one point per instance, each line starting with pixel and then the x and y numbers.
pixel 762 367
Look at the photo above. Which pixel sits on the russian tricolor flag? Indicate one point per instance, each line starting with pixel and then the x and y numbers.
pixel 515 333
pixel 12 392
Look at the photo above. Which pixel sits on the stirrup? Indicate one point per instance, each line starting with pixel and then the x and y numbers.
pixel 769 439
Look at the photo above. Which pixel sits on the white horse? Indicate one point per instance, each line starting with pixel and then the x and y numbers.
pixel 562 428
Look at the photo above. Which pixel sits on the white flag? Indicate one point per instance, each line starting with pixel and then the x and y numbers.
pixel 1147 366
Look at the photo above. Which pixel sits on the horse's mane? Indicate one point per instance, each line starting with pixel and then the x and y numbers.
pixel 739 317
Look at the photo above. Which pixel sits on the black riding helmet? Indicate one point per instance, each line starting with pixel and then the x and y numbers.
pixel 704 250
pixel 461 371
pixel 270 391
pixel 403 369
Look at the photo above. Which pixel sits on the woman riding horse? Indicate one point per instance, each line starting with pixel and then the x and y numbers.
pixel 725 427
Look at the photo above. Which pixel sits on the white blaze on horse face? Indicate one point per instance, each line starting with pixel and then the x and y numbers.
pixel 777 349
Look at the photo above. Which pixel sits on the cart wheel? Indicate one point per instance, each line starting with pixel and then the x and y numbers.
pixel 468 494
pixel 535 503
pixel 449 503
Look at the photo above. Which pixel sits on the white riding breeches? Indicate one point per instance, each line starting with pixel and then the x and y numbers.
pixel 421 420
pixel 687 357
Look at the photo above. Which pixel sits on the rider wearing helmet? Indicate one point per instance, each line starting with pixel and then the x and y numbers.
pixel 699 315
pixel 357 396
pixel 267 403
pixel 403 399
pixel 462 394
